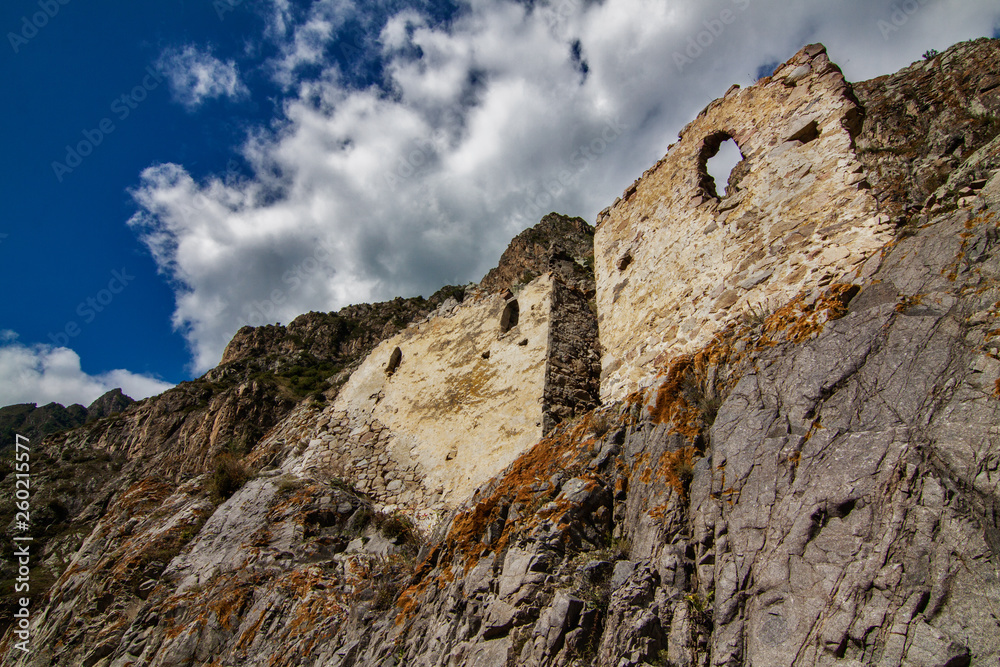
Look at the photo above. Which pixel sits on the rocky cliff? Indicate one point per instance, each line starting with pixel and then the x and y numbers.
pixel 557 243
pixel 807 478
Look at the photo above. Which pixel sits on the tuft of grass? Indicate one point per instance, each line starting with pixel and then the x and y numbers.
pixel 397 527
pixel 755 316
pixel 617 548
pixel 601 423
pixel 229 476
pixel 288 483
pixel 709 408
pixel 360 520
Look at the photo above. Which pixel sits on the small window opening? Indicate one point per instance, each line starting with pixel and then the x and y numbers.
pixel 805 133
pixel 394 359
pixel 508 320
pixel 721 164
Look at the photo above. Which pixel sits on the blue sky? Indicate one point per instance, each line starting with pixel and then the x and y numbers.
pixel 174 170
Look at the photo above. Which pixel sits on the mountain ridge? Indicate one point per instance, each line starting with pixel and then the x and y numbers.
pixel 34 422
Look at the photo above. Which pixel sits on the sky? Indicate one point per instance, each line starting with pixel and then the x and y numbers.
pixel 175 170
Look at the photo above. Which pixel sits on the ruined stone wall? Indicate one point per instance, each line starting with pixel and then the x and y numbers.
pixel 678 257
pixel 465 399
pixel 471 388
pixel 574 363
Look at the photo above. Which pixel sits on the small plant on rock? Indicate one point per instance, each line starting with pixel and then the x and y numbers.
pixel 229 476
pixel 600 424
pixel 756 316
pixel 397 527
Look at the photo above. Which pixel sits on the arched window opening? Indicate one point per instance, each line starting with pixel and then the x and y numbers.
pixel 394 359
pixel 508 320
pixel 722 165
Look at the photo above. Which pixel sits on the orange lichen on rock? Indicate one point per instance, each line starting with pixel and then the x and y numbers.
pixel 144 496
pixel 248 636
pixel 908 302
pixel 800 320
pixel 671 405
pixel 230 604
pixel 524 489
pixel 676 468
pixel 681 397
pixel 301 498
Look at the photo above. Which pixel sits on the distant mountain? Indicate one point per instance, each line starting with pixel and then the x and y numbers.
pixel 34 422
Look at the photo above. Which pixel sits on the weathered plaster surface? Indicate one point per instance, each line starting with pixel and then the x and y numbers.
pixel 675 262
pixel 465 400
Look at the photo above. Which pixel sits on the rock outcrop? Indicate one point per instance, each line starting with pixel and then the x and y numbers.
pixel 811 478
pixel 929 128
pixel 557 243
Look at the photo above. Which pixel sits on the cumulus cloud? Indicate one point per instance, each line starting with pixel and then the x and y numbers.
pixel 479 127
pixel 306 42
pixel 196 76
pixel 43 374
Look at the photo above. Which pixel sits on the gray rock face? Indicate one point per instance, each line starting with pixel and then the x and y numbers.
pixel 857 479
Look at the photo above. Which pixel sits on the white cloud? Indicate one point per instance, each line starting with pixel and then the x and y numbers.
pixel 43 374
pixel 196 76
pixel 308 41
pixel 481 127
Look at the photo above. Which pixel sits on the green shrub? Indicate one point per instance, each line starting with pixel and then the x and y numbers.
pixel 396 527
pixel 229 476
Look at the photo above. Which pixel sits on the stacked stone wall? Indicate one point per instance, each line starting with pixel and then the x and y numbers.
pixel 574 359
pixel 465 399
pixel 678 257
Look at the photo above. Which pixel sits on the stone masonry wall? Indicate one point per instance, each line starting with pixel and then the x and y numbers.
pixel 678 257
pixel 574 362
pixel 465 399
